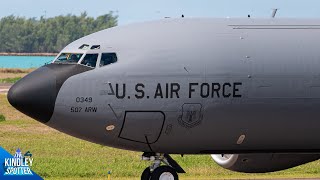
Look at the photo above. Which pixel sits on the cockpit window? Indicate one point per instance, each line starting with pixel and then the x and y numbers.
pixel 90 60
pixel 68 58
pixel 95 47
pixel 84 46
pixel 108 58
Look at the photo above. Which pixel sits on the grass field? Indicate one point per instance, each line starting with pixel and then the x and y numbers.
pixel 10 80
pixel 13 73
pixel 59 156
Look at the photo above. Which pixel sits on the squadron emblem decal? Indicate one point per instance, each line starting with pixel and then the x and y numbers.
pixel 191 115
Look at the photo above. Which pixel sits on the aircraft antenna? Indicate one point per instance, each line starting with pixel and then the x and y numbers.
pixel 274 12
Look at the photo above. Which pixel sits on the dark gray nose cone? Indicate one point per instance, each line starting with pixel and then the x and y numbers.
pixel 35 94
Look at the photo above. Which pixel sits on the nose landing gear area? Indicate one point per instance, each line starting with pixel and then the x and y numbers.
pixel 156 171
pixel 160 173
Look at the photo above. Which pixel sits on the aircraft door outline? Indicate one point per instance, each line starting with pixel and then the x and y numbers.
pixel 142 126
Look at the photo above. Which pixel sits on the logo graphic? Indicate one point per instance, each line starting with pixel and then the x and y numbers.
pixel 18 165
pixel 191 115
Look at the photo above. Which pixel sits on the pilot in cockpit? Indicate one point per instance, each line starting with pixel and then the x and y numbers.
pixel 74 58
pixel 90 60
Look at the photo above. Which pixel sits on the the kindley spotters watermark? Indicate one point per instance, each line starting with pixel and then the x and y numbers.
pixel 19 164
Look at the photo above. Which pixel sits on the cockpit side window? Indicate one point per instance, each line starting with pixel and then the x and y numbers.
pixel 108 58
pixel 90 60
pixel 68 58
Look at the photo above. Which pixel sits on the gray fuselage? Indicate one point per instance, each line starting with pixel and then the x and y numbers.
pixel 197 86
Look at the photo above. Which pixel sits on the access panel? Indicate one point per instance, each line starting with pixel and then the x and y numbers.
pixel 142 126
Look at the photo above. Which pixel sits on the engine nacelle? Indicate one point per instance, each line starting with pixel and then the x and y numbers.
pixel 262 163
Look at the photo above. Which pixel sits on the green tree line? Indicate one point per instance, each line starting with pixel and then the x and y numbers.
pixel 31 35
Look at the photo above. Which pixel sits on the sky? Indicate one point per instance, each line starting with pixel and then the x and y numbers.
pixel 131 11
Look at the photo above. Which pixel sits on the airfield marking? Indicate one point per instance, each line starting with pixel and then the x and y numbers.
pixel 4 88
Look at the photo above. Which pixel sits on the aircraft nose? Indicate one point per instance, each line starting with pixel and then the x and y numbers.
pixel 35 94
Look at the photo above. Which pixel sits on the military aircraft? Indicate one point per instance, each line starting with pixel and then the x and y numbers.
pixel 246 91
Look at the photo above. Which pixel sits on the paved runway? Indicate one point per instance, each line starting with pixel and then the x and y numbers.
pixel 4 87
